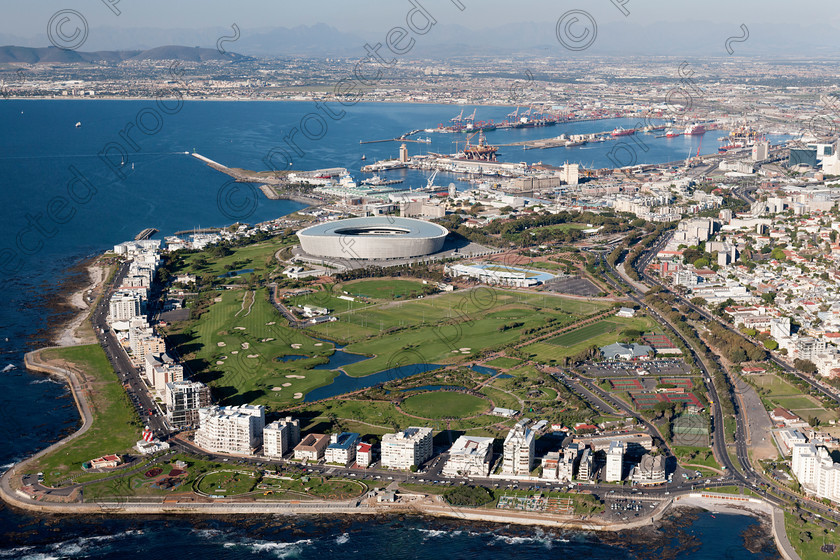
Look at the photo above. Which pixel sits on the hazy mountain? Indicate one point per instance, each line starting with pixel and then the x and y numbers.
pixel 622 38
pixel 30 55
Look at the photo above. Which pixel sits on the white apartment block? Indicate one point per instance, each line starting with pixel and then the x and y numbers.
pixel 280 437
pixel 405 449
pixel 518 458
pixel 614 471
pixel 469 456
pixel 230 429
pixel 123 307
pixel 816 471
pixel 585 466
pixel 183 400
pixel 342 448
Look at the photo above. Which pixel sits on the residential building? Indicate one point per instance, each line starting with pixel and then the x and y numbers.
pixel 469 456
pixel 280 437
pixel 230 429
pixel 364 455
pixel 312 448
pixel 518 455
pixel 123 306
pixel 650 470
pixel 585 465
pixel 815 470
pixel 183 400
pixel 614 471
pixel 342 448
pixel 403 450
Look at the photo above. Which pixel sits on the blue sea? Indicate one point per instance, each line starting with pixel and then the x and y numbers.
pixel 71 192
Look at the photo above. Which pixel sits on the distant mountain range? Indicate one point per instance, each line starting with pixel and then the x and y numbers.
pixel 621 38
pixel 35 55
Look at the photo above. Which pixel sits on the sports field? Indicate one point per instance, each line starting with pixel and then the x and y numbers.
pixel 444 404
pixel 584 333
pixel 388 288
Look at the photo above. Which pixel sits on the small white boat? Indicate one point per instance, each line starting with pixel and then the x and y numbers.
pixel 79 124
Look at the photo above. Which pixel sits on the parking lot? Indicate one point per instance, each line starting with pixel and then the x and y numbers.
pixel 648 367
pixel 575 286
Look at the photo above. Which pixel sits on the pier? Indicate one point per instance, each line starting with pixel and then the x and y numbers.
pixel 145 234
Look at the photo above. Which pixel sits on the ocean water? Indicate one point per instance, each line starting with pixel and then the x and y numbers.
pixel 62 202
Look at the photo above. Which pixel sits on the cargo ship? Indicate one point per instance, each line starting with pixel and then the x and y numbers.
pixel 622 132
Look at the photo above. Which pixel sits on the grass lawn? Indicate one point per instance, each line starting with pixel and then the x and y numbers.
pixel 259 257
pixel 227 483
pixel 584 333
pixel 695 456
pixel 772 385
pixel 386 288
pixel 444 404
pixel 115 427
pixel 802 401
pixel 562 227
pixel 504 362
pixel 807 537
pixel 436 329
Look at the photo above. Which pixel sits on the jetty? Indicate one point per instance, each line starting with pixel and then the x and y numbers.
pixel 145 234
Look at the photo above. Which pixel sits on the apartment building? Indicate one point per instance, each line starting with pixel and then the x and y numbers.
pixel 183 401
pixel 408 448
pixel 469 456
pixel 231 429
pixel 518 455
pixel 280 437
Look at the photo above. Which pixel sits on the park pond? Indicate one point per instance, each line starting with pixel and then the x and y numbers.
pixel 346 384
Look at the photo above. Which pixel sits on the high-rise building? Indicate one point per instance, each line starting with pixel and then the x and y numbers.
pixel 408 448
pixel 518 456
pixel 123 306
pixel 183 399
pixel 585 467
pixel 342 448
pixel 469 456
pixel 280 437
pixel 231 429
pixel 615 462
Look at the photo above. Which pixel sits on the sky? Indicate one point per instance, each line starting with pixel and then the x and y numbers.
pixel 30 19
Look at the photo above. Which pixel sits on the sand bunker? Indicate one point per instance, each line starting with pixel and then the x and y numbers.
pixel 221 344
pixel 287 384
pixel 295 377
pixel 277 388
pixel 298 396
pixel 245 345
pixel 266 340
pixel 235 352
pixel 297 346
pixel 239 328
pixel 271 323
pixel 466 349
pixel 219 362
pixel 253 355
pixel 319 344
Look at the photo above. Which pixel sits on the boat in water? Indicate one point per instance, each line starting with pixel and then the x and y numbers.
pixel 78 124
pixel 622 132
pixel 695 129
pixel 671 133
pixel 377 181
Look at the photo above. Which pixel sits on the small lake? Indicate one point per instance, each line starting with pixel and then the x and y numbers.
pixel 292 358
pixel 233 273
pixel 484 370
pixel 434 388
pixel 345 384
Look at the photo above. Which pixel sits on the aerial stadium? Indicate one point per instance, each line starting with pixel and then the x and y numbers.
pixel 379 237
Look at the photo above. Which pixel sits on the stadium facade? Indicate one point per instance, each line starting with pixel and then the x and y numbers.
pixel 373 238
